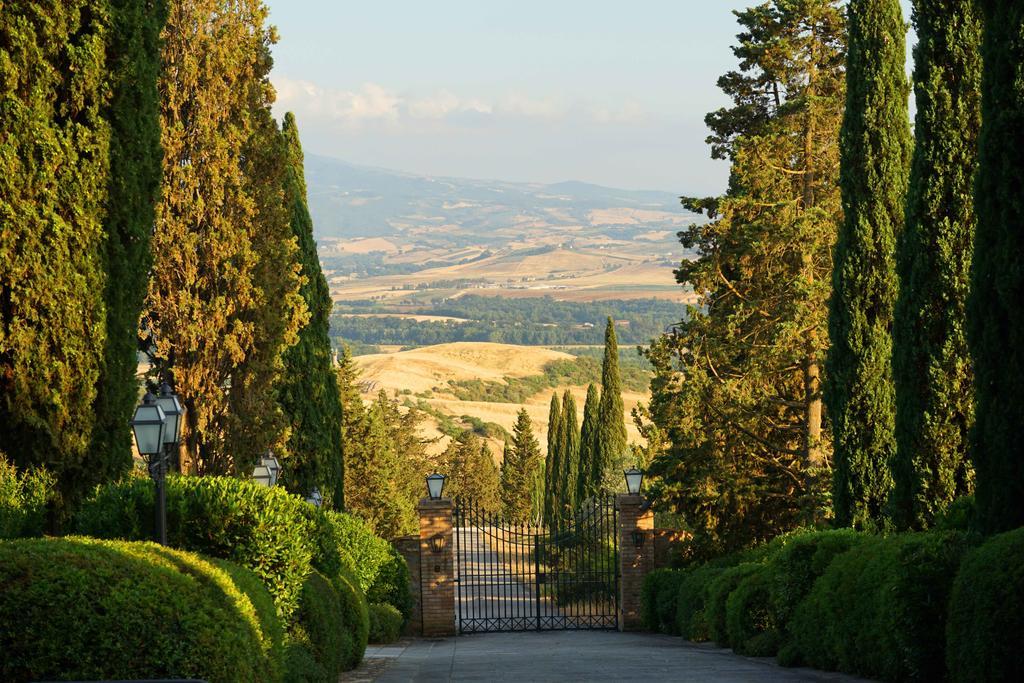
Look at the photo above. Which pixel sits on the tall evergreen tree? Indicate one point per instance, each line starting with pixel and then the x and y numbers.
pixel 520 471
pixel 133 64
pixel 569 446
pixel 472 473
pixel 875 151
pixel 353 412
pixel 309 390
pixel 588 480
pixel 931 364
pixel 552 460
pixel 54 187
pixel 995 317
pixel 223 301
pixel 610 443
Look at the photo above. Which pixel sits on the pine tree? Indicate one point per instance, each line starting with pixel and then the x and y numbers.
pixel 353 412
pixel 520 472
pixel 995 322
pixel 472 473
pixel 875 152
pixel 552 461
pixel 610 443
pixel 54 182
pixel 133 63
pixel 223 301
pixel 569 446
pixel 735 423
pixel 588 481
pixel 931 364
pixel 308 392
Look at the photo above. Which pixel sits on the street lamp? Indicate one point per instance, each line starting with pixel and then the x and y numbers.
pixel 435 485
pixel 169 403
pixel 634 480
pixel 315 499
pixel 265 473
pixel 148 425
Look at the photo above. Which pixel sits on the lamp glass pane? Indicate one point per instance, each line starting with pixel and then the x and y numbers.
pixel 435 485
pixel 173 410
pixel 261 475
pixel 634 479
pixel 148 426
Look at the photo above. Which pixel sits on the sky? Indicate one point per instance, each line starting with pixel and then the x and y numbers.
pixel 602 91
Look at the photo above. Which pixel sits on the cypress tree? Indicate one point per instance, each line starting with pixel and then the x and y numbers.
pixel 995 316
pixel 352 414
pixel 309 389
pixel 54 183
pixel 552 460
pixel 610 443
pixel 875 154
pixel 223 301
pixel 931 364
pixel 588 480
pixel 133 63
pixel 520 472
pixel 569 445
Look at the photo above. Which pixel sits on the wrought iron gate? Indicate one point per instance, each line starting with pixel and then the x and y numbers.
pixel 520 577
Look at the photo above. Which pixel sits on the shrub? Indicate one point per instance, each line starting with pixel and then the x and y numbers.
pixel 986 612
pixel 23 500
pixel 356 615
pixel 79 608
pixel 385 623
pixel 263 529
pixel 798 566
pixel 321 627
pixel 392 585
pixel 271 628
pixel 959 516
pixel 879 609
pixel 658 600
pixel 691 599
pixel 749 622
pixel 717 595
pixel 358 548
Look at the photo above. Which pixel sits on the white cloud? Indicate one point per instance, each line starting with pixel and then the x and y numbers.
pixel 375 104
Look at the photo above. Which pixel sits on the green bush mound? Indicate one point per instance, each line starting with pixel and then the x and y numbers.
pixel 385 623
pixel 366 552
pixel 271 628
pixel 23 500
pixel 658 600
pixel 691 599
pixel 77 608
pixel 391 586
pixel 263 529
pixel 717 596
pixel 321 629
pixel 985 631
pixel 749 622
pixel 879 610
pixel 356 615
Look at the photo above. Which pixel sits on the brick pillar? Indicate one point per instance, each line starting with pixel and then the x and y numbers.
pixel 437 569
pixel 409 548
pixel 634 562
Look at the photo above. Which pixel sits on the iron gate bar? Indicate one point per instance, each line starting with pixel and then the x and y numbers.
pixel 524 577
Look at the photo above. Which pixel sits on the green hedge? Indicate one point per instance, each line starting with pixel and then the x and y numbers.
pixel 691 599
pixel 717 596
pixel 385 623
pixel 749 622
pixel 392 585
pixel 272 630
pixel 263 529
pixel 23 500
pixel 879 609
pixel 356 614
pixel 79 608
pixel 986 613
pixel 366 552
pixel 658 600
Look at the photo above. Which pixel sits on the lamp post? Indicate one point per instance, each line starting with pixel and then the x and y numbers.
pixel 149 424
pixel 169 403
pixel 315 499
pixel 265 473
pixel 435 485
pixel 634 480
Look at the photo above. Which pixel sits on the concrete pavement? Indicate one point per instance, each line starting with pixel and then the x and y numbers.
pixel 568 656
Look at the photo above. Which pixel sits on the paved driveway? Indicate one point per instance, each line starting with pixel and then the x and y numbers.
pixel 568 656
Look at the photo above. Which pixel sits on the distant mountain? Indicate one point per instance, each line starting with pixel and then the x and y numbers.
pixel 348 201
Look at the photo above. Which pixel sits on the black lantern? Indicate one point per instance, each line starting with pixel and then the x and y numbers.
pixel 634 480
pixel 638 537
pixel 169 403
pixel 435 485
pixel 266 471
pixel 315 499
pixel 149 424
pixel 438 543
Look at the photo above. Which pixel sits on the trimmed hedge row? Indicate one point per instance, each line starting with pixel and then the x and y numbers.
pixel 385 623
pixel 913 606
pixel 78 608
pixel 658 600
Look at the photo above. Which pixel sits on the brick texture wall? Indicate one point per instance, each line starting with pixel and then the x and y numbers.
pixel 437 569
pixel 634 562
pixel 409 548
